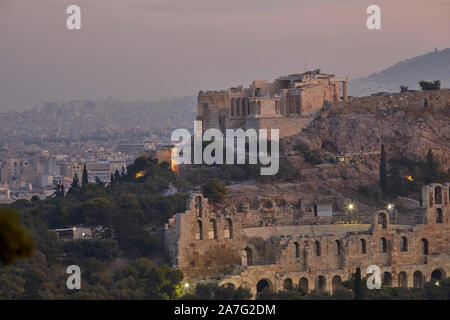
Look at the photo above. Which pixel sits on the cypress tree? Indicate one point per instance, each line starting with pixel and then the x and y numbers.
pixel 358 284
pixel 75 181
pixel 85 178
pixel 383 171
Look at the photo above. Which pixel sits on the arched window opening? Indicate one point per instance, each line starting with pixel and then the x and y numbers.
pixel 263 285
pixel 336 283
pixel 439 216
pixel 363 246
pixel 296 250
pixel 303 285
pixel 383 220
pixel 198 206
pixel 321 283
pixel 402 280
pixel 228 229
pixel 424 246
pixel 438 275
pixel 199 231
pixel 317 250
pixel 212 233
pixel 403 244
pixel 337 248
pixel 248 256
pixel 383 245
pixel 418 280
pixel 438 195
pixel 386 280
pixel 287 284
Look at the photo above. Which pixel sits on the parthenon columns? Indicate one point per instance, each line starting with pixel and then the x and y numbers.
pixel 345 91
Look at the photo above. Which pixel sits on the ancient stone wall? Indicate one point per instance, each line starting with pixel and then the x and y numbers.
pixel 316 256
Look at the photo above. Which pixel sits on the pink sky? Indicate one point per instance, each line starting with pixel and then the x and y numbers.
pixel 152 49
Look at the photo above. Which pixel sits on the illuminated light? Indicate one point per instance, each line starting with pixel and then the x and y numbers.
pixel 74 228
pixel 410 178
pixel 186 285
pixel 437 283
pixel 140 174
pixel 351 206
pixel 390 206
pixel 83 234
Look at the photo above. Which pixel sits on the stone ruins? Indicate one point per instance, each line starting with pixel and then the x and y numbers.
pixel 289 103
pixel 266 244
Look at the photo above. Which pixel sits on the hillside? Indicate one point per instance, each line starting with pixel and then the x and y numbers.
pixel 431 66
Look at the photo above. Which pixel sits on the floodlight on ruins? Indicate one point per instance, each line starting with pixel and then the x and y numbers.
pixel 390 207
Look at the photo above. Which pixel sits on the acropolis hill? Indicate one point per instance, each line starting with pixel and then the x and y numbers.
pixel 301 232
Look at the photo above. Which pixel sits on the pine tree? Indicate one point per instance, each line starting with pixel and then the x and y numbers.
pixel 123 171
pixel 112 179
pixel 85 178
pixel 383 171
pixel 358 284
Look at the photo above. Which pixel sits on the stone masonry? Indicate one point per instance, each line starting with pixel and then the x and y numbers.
pixel 288 104
pixel 232 245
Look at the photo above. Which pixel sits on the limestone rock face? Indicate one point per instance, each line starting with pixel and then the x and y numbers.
pixel 407 124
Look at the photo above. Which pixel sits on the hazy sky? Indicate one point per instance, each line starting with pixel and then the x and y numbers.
pixel 152 49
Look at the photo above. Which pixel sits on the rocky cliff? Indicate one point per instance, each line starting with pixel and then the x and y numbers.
pixel 407 124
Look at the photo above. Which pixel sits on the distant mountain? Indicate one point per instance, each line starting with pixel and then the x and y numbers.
pixel 431 66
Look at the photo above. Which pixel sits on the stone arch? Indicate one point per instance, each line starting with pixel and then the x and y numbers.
pixel 212 232
pixel 247 256
pixel 439 216
pixel 336 283
pixel 382 218
pixel 438 195
pixel 264 284
pixel 199 231
pixel 438 275
pixel 386 280
pixel 303 284
pixel 321 283
pixel 403 244
pixel 363 246
pixel 402 280
pixel 383 245
pixel 287 284
pixel 228 229
pixel 424 246
pixel 418 279
pixel 337 248
pixel 317 249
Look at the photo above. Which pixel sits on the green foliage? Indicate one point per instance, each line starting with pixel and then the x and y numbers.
pixel 104 250
pixel 372 192
pixel 214 190
pixel 15 241
pixel 430 85
pixel 213 291
pixel 143 280
pixel 403 89
pixel 311 156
